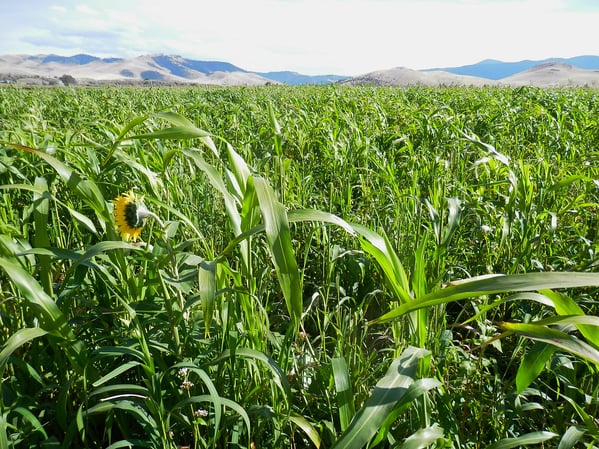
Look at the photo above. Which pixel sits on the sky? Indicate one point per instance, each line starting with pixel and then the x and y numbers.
pixel 313 37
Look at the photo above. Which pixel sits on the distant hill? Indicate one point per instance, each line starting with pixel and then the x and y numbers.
pixel 550 74
pixel 176 70
pixel 166 69
pixel 496 70
pixel 75 59
pixel 554 74
pixel 294 78
pixel 402 76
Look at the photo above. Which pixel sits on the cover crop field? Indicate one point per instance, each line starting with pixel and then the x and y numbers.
pixel 281 267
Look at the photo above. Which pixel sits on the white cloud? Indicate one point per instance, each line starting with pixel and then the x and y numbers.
pixel 309 36
pixel 85 9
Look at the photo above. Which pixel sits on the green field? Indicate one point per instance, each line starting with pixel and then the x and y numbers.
pixel 318 267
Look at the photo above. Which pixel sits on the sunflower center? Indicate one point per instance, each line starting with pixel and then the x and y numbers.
pixel 132 217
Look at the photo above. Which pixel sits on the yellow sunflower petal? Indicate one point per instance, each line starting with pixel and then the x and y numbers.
pixel 125 218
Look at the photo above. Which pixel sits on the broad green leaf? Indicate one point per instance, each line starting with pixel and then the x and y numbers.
pixel 418 388
pixel 567 181
pixel 589 321
pixel 281 248
pixel 207 290
pixel 109 392
pixel 387 392
pixel 571 437
pixel 493 284
pixel 295 216
pixel 130 443
pixel 312 215
pixel 240 169
pixel 278 138
pixel 41 205
pixel 174 132
pixel 124 131
pixel 553 337
pixel 63 404
pixel 89 224
pixel 453 219
pixel 379 247
pixel 3 432
pixel 140 415
pixel 153 178
pixel 232 195
pixel 308 428
pixel 50 316
pixel 116 372
pixel 278 375
pixel 564 305
pixel 175 119
pixel 523 440
pixel 345 396
pixel 128 127
pixel 489 148
pixel 87 190
pixel 183 129
pixel 32 419
pixel 177 214
pixel 218 183
pixel 532 364
pixel 100 248
pixel 423 437
pixel 116 351
pixel 16 340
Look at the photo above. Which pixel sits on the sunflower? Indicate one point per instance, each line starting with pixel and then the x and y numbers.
pixel 130 213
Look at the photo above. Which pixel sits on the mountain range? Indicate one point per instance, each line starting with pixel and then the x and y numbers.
pixel 158 69
pixel 172 70
pixel 496 70
pixel 549 74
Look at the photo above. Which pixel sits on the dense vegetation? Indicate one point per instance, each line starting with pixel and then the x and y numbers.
pixel 317 275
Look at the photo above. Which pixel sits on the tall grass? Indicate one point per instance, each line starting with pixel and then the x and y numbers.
pixel 364 267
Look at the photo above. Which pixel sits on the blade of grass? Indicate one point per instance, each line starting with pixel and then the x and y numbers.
pixel 50 316
pixel 87 190
pixel 494 284
pixel 390 389
pixel 553 337
pixel 345 397
pixel 532 364
pixel 16 340
pixel 308 428
pixel 281 249
pixel 379 247
pixel 41 205
pixel 423 437
pixel 523 440
pixel 571 437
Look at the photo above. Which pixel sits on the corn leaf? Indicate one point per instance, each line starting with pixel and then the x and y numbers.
pixel 553 337
pixel 345 396
pixel 16 340
pixel 532 364
pixel 281 249
pixel 523 440
pixel 307 427
pixel 493 284
pixel 387 392
pixel 50 316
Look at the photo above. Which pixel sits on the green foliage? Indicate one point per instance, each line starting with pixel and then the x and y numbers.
pixel 331 267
